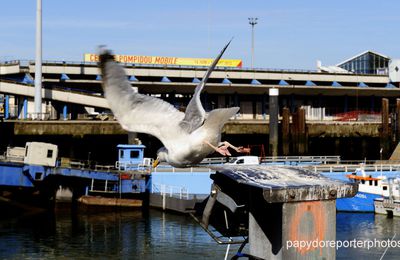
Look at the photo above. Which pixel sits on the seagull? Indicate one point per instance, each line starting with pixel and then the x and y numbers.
pixel 187 137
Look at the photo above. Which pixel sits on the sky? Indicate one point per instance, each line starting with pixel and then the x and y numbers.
pixel 290 34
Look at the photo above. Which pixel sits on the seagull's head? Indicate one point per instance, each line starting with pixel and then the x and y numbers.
pixel 162 156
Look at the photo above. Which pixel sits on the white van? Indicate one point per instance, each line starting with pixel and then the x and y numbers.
pixel 244 160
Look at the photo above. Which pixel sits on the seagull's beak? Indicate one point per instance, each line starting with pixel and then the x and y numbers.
pixel 155 163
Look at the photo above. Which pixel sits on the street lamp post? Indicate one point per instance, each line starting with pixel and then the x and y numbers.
pixel 252 22
pixel 38 61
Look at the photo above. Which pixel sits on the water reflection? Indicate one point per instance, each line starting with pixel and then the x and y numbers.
pixel 154 235
pixel 365 227
pixel 121 235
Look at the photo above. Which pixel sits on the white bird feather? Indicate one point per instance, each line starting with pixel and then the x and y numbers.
pixel 183 134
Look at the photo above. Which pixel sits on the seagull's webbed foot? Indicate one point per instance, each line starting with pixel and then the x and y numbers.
pixel 223 150
pixel 239 149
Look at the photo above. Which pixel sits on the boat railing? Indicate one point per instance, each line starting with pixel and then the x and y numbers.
pixel 171 191
pixel 335 159
pixel 353 167
pixel 302 159
pixel 167 168
pixel 127 166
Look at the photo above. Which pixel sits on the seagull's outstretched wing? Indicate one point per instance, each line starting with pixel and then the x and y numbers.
pixel 195 114
pixel 136 112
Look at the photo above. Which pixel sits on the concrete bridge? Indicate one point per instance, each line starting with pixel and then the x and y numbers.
pixel 75 87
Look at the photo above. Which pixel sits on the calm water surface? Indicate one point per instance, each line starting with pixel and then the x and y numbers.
pixel 153 235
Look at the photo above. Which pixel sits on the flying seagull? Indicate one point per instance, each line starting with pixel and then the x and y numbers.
pixel 187 137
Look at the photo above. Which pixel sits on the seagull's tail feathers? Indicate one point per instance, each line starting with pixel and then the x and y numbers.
pixel 217 118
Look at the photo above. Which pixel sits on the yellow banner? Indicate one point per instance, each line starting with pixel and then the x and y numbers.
pixel 88 57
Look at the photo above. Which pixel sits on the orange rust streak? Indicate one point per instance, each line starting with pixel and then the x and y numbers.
pixel 317 210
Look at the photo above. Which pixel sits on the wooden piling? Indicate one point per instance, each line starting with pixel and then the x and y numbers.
pixel 397 126
pixel 299 133
pixel 385 130
pixel 302 140
pixel 294 133
pixel 285 131
pixel 385 116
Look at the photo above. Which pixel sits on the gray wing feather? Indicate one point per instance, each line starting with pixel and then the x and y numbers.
pixel 136 112
pixel 195 114
pixel 217 118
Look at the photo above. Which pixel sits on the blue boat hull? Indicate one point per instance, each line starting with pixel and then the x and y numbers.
pixel 362 202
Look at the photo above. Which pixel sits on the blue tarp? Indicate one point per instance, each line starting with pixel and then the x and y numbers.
pixel 283 83
pixel 165 79
pixel 309 83
pixel 64 77
pixel 390 85
pixel 27 79
pixel 362 85
pixel 336 84
pixel 133 78
pixel 226 81
pixel 255 82
pixel 196 80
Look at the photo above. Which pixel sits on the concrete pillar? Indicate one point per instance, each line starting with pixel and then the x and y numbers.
pixel 292 223
pixel 7 107
pixel 273 121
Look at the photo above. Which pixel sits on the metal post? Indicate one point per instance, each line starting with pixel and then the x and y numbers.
pixel 38 61
pixel 7 107
pixel 252 22
pixel 25 108
pixel 273 121
pixel 65 112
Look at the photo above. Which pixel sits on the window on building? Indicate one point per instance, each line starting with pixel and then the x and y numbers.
pixel 49 153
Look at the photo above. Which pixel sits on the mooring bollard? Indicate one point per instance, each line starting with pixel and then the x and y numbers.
pixel 282 212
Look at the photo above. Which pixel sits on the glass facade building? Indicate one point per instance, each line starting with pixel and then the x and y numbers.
pixel 368 62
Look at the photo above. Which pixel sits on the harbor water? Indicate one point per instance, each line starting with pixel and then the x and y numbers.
pixel 156 235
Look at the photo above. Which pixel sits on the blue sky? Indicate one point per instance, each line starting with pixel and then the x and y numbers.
pixel 290 34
